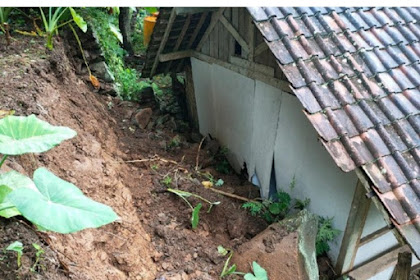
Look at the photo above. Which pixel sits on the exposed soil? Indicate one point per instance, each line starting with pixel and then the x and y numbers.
pixel 153 239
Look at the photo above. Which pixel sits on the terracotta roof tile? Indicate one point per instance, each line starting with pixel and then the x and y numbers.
pixel 356 72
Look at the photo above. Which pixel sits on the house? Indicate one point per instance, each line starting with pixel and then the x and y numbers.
pixel 328 97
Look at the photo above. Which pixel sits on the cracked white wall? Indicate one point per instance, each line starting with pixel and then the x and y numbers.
pixel 260 124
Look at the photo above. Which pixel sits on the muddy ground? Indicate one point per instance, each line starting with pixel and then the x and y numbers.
pixel 115 162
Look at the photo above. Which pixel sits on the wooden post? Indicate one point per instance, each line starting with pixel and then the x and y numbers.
pixel 190 97
pixel 354 228
pixel 403 268
pixel 163 42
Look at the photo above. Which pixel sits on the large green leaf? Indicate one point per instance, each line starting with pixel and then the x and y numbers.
pixel 78 19
pixel 59 205
pixel 20 135
pixel 8 182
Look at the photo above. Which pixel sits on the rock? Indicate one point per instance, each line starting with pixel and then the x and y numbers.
pixel 291 243
pixel 101 71
pixel 143 117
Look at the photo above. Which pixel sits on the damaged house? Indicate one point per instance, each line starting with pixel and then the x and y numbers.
pixel 328 96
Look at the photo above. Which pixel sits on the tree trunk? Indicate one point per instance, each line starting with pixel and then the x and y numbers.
pixel 125 27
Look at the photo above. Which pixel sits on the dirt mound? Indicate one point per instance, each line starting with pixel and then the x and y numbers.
pixel 114 161
pixel 41 83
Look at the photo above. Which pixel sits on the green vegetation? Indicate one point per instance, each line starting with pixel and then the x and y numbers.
pixel 195 210
pixel 167 181
pixel 325 234
pixel 272 211
pixel 227 270
pixel 259 273
pixel 55 15
pixel 47 201
pixel 17 247
pixel 105 29
pixel 38 254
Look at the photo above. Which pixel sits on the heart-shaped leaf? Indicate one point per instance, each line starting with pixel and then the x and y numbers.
pixel 8 182
pixel 59 205
pixel 260 273
pixel 20 135
pixel 79 20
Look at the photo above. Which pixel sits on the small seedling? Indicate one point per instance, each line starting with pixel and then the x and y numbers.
pixel 227 270
pixel 167 181
pixel 302 204
pixel 175 142
pixel 211 179
pixel 155 167
pixel 38 254
pixel 195 210
pixel 259 273
pixel 17 247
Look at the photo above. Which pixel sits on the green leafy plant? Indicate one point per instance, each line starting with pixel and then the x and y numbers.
pixel 47 201
pixel 38 254
pixel 17 247
pixel 326 233
pixel 167 180
pixel 195 210
pixel 272 211
pixel 127 80
pixel 227 270
pixel 55 15
pixel 302 204
pixel 259 273
pixel 4 17
pixel 175 142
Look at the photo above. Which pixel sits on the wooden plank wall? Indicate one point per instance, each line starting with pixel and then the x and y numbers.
pixel 221 44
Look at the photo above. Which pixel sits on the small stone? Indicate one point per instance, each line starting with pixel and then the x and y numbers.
pixel 143 117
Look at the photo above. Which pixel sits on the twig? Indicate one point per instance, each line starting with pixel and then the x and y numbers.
pixel 154 158
pixel 198 153
pixel 231 195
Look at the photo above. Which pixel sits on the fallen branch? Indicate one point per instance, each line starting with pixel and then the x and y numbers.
pixel 231 195
pixel 155 158
pixel 198 153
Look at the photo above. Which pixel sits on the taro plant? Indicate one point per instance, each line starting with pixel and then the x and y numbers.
pixel 17 247
pixel 52 19
pixel 38 255
pixel 259 273
pixel 47 201
pixel 227 270
pixel 195 210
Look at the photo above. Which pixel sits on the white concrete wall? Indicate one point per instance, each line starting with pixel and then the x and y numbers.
pixel 260 124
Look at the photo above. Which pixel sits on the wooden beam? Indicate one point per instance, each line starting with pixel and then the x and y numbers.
pixel 175 55
pixel 355 223
pixel 251 40
pixel 369 269
pixel 366 183
pixel 376 234
pixel 269 71
pixel 403 268
pixel 234 33
pixel 164 40
pixel 260 49
pixel 214 19
pixel 179 40
pixel 197 29
pixel 190 97
pixel 282 85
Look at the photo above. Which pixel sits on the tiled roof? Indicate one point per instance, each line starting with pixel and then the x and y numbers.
pixel 356 71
